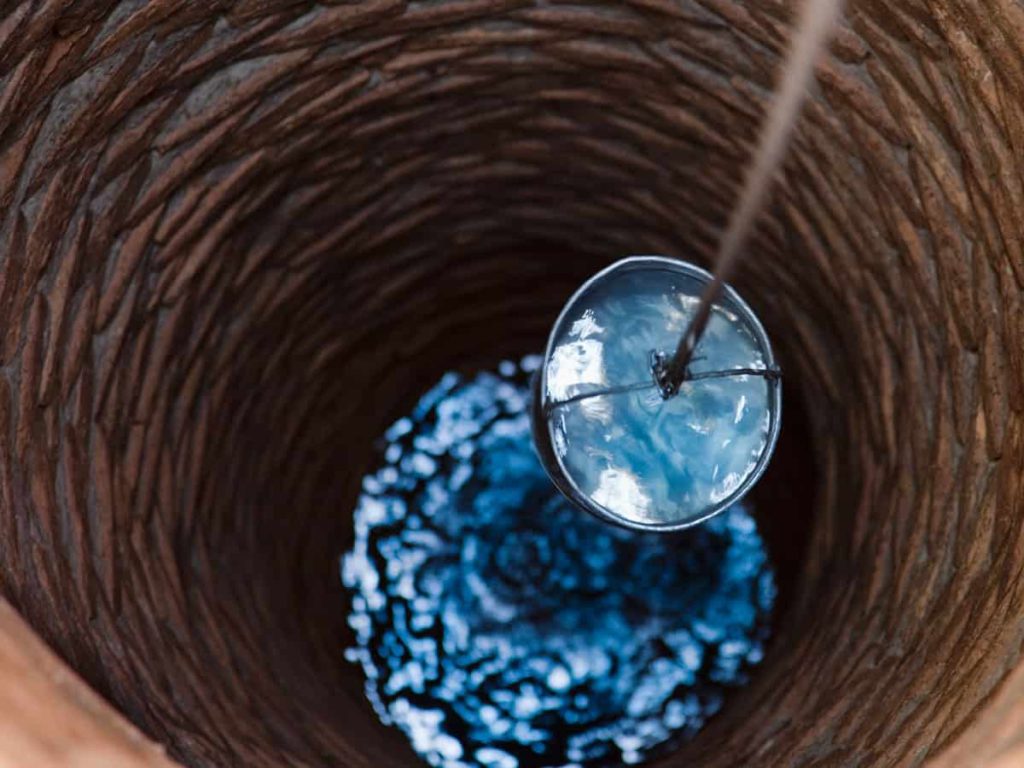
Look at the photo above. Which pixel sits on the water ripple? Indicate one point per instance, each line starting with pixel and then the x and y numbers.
pixel 499 626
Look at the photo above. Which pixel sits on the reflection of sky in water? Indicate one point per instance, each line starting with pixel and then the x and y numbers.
pixel 499 626
pixel 641 457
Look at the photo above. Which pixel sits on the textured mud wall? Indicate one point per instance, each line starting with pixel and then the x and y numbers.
pixel 237 237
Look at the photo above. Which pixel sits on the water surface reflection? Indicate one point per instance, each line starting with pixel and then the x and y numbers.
pixel 499 626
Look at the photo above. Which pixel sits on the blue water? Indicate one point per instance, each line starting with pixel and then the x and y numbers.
pixel 499 626
pixel 634 455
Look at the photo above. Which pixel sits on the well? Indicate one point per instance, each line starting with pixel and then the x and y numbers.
pixel 237 237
